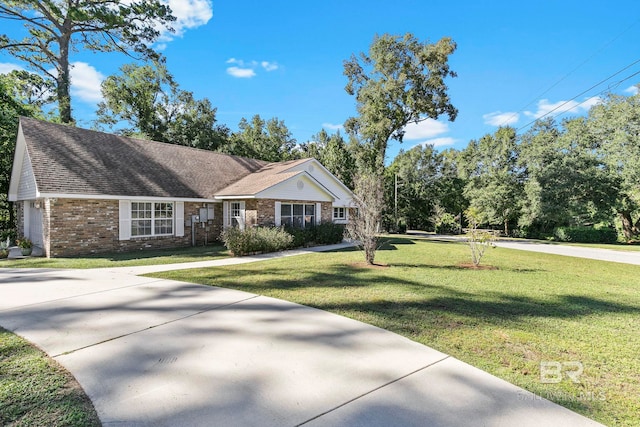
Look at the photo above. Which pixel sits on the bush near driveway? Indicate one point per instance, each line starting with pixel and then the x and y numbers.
pixel 585 235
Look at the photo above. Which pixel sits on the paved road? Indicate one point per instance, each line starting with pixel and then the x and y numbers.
pixel 624 257
pixel 152 352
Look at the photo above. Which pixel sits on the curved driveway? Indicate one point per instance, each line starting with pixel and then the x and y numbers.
pixel 152 352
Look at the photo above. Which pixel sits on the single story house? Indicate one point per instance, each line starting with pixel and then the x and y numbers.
pixel 79 192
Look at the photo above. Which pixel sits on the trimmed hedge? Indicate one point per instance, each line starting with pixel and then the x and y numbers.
pixel 256 240
pixel 585 235
pixel 326 233
pixel 274 239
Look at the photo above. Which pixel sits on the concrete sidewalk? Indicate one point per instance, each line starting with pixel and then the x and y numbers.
pixel 152 352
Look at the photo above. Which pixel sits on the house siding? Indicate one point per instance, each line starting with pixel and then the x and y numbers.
pixel 27 188
pixel 75 227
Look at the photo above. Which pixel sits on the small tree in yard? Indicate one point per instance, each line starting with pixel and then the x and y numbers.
pixel 363 224
pixel 479 240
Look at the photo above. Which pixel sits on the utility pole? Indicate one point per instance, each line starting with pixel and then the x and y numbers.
pixel 395 198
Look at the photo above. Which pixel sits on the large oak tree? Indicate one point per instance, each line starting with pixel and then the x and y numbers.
pixel 399 81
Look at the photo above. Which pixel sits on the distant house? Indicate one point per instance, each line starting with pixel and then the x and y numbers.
pixel 80 191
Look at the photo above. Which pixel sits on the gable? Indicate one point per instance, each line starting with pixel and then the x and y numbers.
pixel 343 196
pixel 298 187
pixel 23 183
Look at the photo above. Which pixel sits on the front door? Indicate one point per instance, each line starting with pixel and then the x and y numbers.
pixel 33 223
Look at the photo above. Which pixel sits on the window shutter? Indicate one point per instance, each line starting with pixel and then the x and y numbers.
pixel 179 219
pixel 125 220
pixel 276 217
pixel 242 216
pixel 318 213
pixel 225 214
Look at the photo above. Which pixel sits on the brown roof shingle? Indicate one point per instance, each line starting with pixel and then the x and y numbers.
pixel 72 160
pixel 268 176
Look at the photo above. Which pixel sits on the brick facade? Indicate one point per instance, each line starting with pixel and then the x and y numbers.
pixel 74 227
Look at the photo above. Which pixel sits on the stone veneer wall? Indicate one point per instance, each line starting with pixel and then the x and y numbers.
pixel 83 227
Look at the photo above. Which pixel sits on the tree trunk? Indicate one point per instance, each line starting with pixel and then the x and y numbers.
pixel 636 227
pixel 63 82
pixel 627 224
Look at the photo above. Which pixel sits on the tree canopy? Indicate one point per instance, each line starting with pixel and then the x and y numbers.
pixel 56 28
pixel 149 101
pixel 401 80
pixel 263 140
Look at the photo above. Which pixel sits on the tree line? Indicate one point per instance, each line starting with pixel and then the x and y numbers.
pixel 579 172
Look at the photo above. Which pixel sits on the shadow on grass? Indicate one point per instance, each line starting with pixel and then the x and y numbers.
pixel 425 298
pixel 188 252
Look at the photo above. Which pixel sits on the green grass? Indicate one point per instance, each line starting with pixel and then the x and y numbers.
pixel 37 391
pixel 531 308
pixel 128 259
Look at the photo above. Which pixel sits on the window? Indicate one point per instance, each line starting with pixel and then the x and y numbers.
pixel 339 213
pixel 297 215
pixel 235 213
pixel 151 219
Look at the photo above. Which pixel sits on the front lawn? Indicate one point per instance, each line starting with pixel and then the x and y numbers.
pixel 532 308
pixel 127 259
pixel 37 391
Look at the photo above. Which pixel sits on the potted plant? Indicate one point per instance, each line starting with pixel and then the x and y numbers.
pixel 26 245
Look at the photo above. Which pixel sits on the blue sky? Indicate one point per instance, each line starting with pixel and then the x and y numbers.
pixel 515 60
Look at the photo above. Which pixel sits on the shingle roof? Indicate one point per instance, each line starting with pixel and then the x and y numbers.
pixel 268 176
pixel 70 160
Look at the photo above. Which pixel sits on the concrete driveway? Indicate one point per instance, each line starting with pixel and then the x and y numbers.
pixel 152 352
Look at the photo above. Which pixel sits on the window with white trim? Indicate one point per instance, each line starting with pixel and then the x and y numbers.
pixel 297 215
pixel 235 213
pixel 339 213
pixel 151 219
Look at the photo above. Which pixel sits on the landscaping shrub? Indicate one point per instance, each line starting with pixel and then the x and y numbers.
pixel 256 240
pixel 9 233
pixel 585 235
pixel 328 233
pixel 301 236
pixel 447 224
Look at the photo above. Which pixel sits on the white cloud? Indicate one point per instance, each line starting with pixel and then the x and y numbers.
pixel 85 82
pixel 189 14
pixel 498 118
pixel 560 107
pixel 633 90
pixel 242 73
pixel 269 66
pixel 425 129
pixel 248 69
pixel 6 67
pixel 331 126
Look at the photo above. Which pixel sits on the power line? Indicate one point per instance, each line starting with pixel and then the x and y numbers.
pixel 582 93
pixel 596 53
